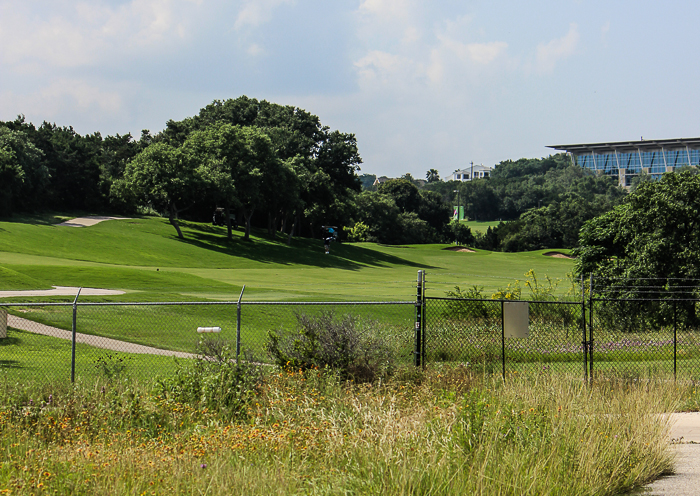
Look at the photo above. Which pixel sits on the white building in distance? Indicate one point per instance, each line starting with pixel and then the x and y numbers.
pixel 472 172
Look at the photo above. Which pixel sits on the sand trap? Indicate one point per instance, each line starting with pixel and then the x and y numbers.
pixel 460 249
pixel 61 291
pixel 89 221
pixel 556 254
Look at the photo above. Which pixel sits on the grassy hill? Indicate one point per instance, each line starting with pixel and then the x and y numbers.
pixel 144 257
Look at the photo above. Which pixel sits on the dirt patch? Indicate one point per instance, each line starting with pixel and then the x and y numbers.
pixel 460 249
pixel 556 254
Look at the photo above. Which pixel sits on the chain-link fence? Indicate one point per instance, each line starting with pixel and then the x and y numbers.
pixel 591 336
pixel 653 338
pixel 65 341
pixel 482 334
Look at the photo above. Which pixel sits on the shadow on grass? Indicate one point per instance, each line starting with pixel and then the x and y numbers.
pixel 10 364
pixel 303 251
pixel 9 341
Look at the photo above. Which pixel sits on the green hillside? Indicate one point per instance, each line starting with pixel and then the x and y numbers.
pixel 144 257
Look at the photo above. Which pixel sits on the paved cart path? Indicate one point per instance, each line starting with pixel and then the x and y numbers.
pixel 96 341
pixel 686 478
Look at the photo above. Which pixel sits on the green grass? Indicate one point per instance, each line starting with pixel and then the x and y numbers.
pixel 479 226
pixel 27 357
pixel 144 258
pixel 145 255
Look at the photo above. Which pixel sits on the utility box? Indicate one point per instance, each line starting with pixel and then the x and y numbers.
pixel 516 319
pixel 3 323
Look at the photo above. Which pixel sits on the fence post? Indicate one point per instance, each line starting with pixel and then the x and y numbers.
pixel 424 324
pixel 72 350
pixel 238 324
pixel 418 353
pixel 590 330
pixel 503 341
pixel 674 340
pixel 584 342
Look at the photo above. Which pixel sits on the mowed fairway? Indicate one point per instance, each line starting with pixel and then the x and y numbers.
pixel 145 258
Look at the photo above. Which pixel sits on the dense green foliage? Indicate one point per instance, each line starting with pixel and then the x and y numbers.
pixel 650 241
pixel 241 154
pixel 277 167
pixel 543 201
pixel 399 213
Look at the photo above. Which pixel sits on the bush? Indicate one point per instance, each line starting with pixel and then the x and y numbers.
pixel 355 349
pixel 461 233
pixel 359 232
pixel 214 380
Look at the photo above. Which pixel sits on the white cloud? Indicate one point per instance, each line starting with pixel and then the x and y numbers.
pixel 63 96
pixel 381 69
pixel 256 12
pixel 385 22
pixel 481 53
pixel 73 35
pixel 549 54
pixel 604 30
pixel 255 50
pixel 387 10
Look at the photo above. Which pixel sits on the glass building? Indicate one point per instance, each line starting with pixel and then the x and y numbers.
pixel 627 159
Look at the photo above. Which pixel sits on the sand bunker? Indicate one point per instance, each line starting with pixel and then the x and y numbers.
pixel 460 249
pixel 89 221
pixel 61 291
pixel 556 254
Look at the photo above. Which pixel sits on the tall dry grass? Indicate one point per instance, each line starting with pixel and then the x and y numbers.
pixel 445 431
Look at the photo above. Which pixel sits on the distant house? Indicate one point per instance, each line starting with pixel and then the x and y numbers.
pixel 472 172
pixel 380 180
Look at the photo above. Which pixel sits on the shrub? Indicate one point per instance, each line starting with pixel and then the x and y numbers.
pixel 358 232
pixel 214 380
pixel 461 309
pixel 461 233
pixel 355 349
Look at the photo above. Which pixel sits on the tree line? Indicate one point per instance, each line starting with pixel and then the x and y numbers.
pixel 278 168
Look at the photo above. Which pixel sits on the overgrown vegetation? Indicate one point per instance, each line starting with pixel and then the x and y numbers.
pixel 215 381
pixel 442 431
pixel 353 348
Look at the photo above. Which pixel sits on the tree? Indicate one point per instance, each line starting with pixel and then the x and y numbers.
pixel 461 233
pixel 649 240
pixel 254 172
pixel 432 176
pixel 159 176
pixel 23 178
pixel 404 193
pixel 215 154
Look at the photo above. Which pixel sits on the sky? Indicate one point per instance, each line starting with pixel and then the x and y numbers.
pixel 422 84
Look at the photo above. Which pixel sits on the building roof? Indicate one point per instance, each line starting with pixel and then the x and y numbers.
pixel 476 167
pixel 629 146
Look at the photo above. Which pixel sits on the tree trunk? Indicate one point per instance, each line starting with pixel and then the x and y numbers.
pixel 173 219
pixel 294 225
pixel 227 212
pixel 272 225
pixel 247 216
pixel 283 227
pixel 311 228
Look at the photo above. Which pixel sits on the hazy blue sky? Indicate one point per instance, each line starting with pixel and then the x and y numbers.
pixel 422 84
